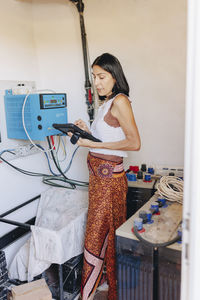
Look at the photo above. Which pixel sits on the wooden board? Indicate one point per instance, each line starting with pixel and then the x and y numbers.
pixel 165 225
pixel 162 230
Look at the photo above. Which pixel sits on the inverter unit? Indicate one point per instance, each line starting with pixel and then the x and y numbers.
pixel 40 112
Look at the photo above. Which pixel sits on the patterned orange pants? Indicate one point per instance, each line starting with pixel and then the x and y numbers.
pixel 106 212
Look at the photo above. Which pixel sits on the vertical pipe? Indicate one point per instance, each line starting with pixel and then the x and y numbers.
pixel 89 96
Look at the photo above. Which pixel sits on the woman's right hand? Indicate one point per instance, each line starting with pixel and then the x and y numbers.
pixel 82 125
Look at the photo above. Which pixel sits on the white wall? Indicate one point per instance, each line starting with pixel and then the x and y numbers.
pixel 149 38
pixel 18 63
pixel 41 41
pixel 17 56
pixel 60 60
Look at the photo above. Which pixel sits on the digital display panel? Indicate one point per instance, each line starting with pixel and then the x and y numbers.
pixel 48 101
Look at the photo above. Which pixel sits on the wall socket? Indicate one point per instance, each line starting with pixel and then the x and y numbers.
pixel 20 151
pixel 13 84
pixel 25 150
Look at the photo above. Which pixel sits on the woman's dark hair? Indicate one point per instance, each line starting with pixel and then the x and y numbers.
pixel 111 64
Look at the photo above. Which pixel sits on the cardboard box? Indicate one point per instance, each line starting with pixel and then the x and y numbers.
pixel 35 290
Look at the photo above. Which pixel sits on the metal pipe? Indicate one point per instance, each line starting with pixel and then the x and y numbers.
pixel 84 47
pixel 23 225
pixel 89 96
pixel 19 206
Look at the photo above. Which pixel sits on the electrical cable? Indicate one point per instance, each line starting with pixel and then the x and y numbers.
pixel 49 180
pixel 61 143
pixel 171 188
pixel 67 168
pixel 70 163
pixel 29 173
pixel 56 164
pixel 64 148
pixel 46 177
pixel 72 182
pixel 8 150
pixel 52 141
pixel 57 147
pixel 49 165
pixel 23 119
pixel 155 245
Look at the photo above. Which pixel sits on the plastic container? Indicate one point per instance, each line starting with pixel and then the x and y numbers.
pixel 131 177
pixel 154 207
pixel 138 222
pixel 162 202
pixel 147 178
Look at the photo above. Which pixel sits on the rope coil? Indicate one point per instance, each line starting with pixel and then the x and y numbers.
pixel 171 188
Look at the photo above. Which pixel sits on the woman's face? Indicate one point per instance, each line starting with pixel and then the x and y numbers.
pixel 103 81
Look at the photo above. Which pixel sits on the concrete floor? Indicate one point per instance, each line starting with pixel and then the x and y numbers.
pixel 101 295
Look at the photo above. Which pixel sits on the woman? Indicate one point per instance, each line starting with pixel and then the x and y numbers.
pixel 115 126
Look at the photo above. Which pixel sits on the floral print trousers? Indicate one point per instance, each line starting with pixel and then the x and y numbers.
pixel 106 212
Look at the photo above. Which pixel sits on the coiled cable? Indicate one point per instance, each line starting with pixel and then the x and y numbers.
pixel 171 188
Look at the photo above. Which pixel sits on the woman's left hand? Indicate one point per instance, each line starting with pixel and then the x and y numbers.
pixel 81 142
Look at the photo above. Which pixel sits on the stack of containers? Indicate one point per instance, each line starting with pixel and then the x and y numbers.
pixel 135 173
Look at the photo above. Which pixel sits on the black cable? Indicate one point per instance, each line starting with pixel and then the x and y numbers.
pixel 29 173
pixel 57 166
pixel 155 245
pixel 72 182
pixel 48 178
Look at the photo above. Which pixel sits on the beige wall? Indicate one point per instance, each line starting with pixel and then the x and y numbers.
pixel 149 38
pixel 41 41
pixel 17 55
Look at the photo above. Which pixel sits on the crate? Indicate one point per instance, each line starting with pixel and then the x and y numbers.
pixel 3 293
pixel 3 269
pixel 72 274
pixel 72 270
pixel 3 276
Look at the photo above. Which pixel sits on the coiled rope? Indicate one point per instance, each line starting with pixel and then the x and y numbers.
pixel 171 188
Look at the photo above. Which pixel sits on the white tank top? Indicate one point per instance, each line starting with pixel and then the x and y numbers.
pixel 106 133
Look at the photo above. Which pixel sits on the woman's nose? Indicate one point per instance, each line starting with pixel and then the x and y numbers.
pixel 96 81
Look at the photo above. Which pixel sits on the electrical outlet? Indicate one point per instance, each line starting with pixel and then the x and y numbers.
pixel 23 87
pixel 19 151
pixel 25 150
pixel 22 151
